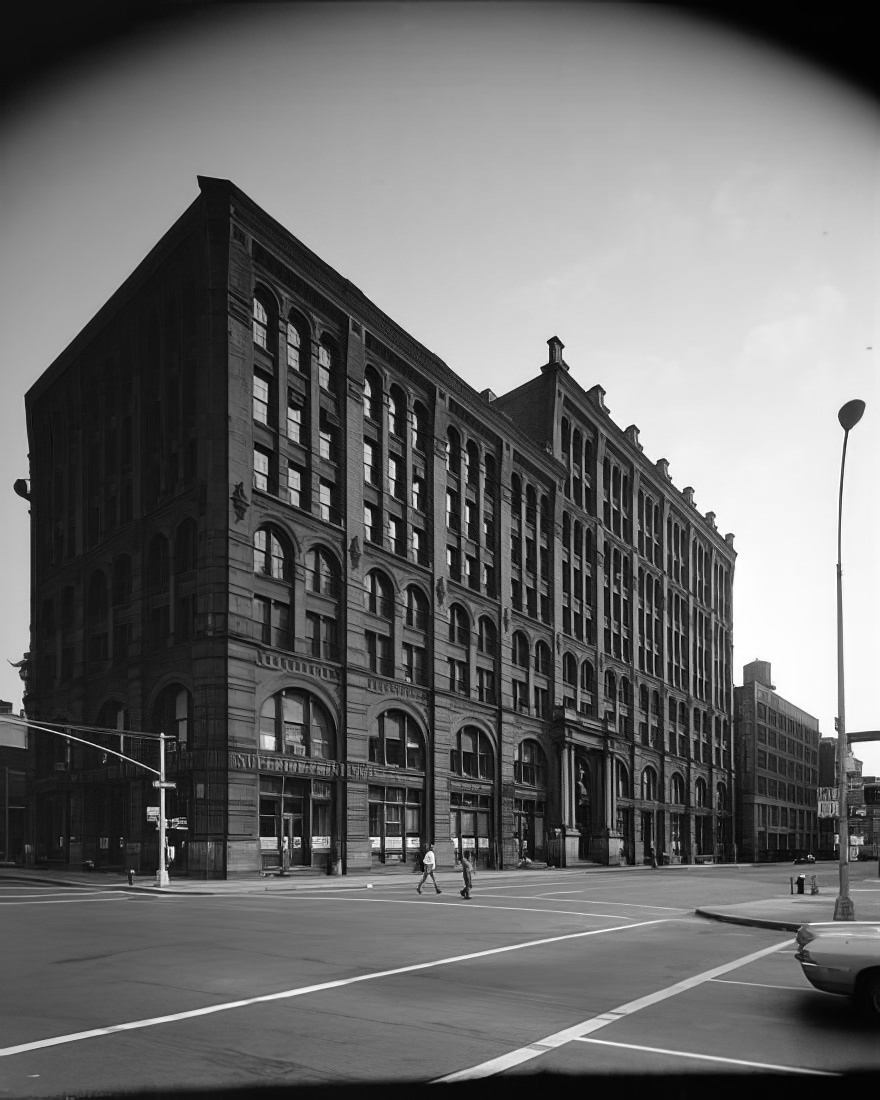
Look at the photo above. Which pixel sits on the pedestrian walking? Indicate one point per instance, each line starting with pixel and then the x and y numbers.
pixel 467 871
pixel 429 861
pixel 652 855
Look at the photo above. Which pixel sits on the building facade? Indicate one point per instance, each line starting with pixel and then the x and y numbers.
pixel 860 798
pixel 15 773
pixel 371 607
pixel 777 765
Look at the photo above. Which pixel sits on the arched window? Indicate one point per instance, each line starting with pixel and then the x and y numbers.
pixel 649 785
pixel 322 572
pixel 542 658
pixel 721 797
pixel 519 649
pixel 643 698
pixel 677 789
pixel 453 452
pixel 157 564
pixel 372 395
pixel 398 742
pixel 487 637
pixel 459 625
pixel 610 686
pixel 121 581
pixel 569 669
pixel 417 608
pixel 396 412
pixel 297 723
pixel 272 554
pixel 701 793
pixel 472 756
pixel 473 463
pixel 97 596
pixel 490 480
pixel 185 547
pixel 624 693
pixel 297 345
pixel 530 765
pixel 419 428
pixel 587 677
pixel 379 595
pixel 172 713
pixel 624 788
pixel 328 365
pixel 261 320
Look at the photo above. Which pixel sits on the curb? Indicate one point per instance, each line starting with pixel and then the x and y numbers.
pixel 752 922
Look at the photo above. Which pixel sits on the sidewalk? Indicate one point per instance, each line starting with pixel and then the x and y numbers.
pixel 785 913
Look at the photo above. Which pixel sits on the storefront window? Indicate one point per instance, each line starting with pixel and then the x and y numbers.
pixel 395 823
pixel 470 824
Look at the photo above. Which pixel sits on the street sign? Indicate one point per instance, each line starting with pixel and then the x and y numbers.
pixel 152 813
pixel 166 785
pixel 179 823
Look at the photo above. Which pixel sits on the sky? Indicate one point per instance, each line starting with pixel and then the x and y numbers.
pixel 692 209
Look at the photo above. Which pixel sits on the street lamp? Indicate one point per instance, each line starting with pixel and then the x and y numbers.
pixel 849 416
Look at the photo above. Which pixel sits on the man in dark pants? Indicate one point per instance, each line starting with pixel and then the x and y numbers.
pixel 429 861
pixel 467 871
pixel 652 855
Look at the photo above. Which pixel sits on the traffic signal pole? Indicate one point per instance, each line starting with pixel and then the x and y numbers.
pixel 162 873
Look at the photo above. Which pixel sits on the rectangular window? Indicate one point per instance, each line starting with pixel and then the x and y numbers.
pixel 486 685
pixel 328 447
pixel 327 502
pixel 457 676
pixel 378 647
pixel 396 528
pixel 418 491
pixel 294 422
pixel 371 523
pixel 261 469
pixel 369 463
pixel 261 398
pixel 294 485
pixel 414 668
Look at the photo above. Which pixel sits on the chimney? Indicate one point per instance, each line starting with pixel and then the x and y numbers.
pixel 555 360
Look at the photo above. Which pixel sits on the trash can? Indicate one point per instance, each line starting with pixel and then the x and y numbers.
pixel 800 882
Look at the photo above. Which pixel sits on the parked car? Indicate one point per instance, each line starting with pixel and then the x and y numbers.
pixel 805 859
pixel 843 957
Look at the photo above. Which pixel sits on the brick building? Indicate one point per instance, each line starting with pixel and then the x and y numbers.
pixel 777 768
pixel 372 606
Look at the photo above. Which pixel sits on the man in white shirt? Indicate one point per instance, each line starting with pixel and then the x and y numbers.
pixel 429 861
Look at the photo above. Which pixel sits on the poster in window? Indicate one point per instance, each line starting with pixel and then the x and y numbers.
pixel 320 842
pixel 482 842
pixel 412 842
pixel 393 843
pixel 375 842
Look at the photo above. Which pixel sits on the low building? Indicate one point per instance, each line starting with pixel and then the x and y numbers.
pixel 777 766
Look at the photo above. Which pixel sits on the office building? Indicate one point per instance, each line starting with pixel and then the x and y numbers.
pixel 370 606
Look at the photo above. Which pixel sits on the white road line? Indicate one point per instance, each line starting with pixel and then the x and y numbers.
pixel 302 991
pixel 767 985
pixel 715 1058
pixel 560 1038
pixel 70 900
pixel 476 905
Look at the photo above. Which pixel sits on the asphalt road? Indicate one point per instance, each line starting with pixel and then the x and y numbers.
pixel 108 991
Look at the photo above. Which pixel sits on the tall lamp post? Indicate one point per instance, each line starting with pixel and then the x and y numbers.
pixel 849 416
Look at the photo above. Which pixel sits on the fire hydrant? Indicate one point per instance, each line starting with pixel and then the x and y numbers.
pixel 131 877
